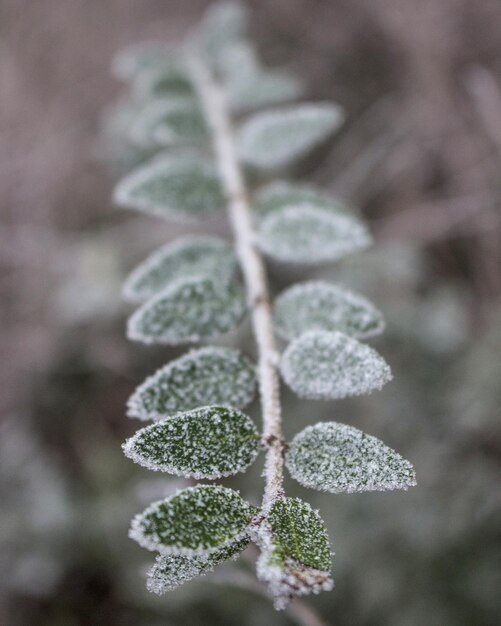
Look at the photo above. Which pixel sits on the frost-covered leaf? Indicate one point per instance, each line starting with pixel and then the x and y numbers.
pixel 186 257
pixel 305 234
pixel 178 187
pixel 296 556
pixel 187 311
pixel 197 520
pixel 330 365
pixel 275 139
pixel 318 305
pixel 282 194
pixel 223 24
pixel 339 458
pixel 137 58
pixel 169 122
pixel 248 86
pixel 209 442
pixel 172 570
pixel 211 375
pixel 168 79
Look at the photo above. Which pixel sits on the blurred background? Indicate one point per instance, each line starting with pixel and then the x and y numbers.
pixel 420 156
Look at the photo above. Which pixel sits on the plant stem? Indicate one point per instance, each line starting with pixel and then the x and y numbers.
pixel 253 270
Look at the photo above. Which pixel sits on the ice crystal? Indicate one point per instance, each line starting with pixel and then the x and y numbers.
pixel 195 521
pixel 186 257
pixel 177 187
pixel 330 365
pixel 209 442
pixel 187 311
pixel 211 375
pixel 169 122
pixel 318 305
pixel 339 458
pixel 305 234
pixel 275 139
pixel 296 558
pixel 282 194
pixel 173 570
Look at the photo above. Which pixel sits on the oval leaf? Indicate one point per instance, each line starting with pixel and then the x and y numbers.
pixel 187 311
pixel 318 305
pixel 197 520
pixel 187 257
pixel 211 375
pixel 209 442
pixel 180 187
pixel 297 557
pixel 275 139
pixel 169 78
pixel 339 458
pixel 134 59
pixel 173 570
pixel 169 122
pixel 323 365
pixel 282 194
pixel 309 235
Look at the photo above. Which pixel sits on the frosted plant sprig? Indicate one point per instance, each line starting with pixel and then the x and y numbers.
pixel 188 292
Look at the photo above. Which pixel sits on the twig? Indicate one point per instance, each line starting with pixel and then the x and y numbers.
pixel 253 269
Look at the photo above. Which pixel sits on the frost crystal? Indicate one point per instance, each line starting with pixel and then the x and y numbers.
pixel 196 521
pixel 187 257
pixel 296 557
pixel 339 458
pixel 178 187
pixel 282 194
pixel 169 122
pixel 308 235
pixel 318 305
pixel 206 376
pixel 274 139
pixel 173 570
pixel 209 442
pixel 187 311
pixel 330 365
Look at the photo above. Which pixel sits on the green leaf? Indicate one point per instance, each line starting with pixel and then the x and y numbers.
pixel 296 556
pixel 186 257
pixel 223 24
pixel 282 194
pixel 339 458
pixel 206 376
pixel 172 570
pixel 168 79
pixel 325 365
pixel 275 139
pixel 209 442
pixel 184 187
pixel 304 234
pixel 318 305
pixel 137 58
pixel 196 521
pixel 169 122
pixel 187 311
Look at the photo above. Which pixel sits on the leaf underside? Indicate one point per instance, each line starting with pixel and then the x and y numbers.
pixel 319 305
pixel 330 365
pixel 209 442
pixel 172 570
pixel 211 375
pixel 307 235
pixel 339 458
pixel 187 257
pixel 196 521
pixel 188 311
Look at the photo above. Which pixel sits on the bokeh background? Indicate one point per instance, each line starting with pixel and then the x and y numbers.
pixel 420 156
